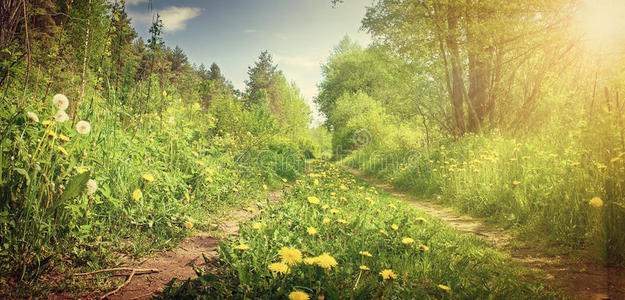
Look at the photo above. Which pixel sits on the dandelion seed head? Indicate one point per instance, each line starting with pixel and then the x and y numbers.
pixel 60 102
pixel 83 127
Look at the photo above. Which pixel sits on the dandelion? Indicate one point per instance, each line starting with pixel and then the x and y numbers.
pixel 283 179
pixel 264 187
pixel 62 150
pixel 326 220
pixel 516 182
pixel 334 211
pixel 421 220
pixel 242 247
pixel 391 205
pixel 61 116
pixel 137 195
pixel 343 187
pixel 312 231
pixel 92 186
pixel 424 248
pixel 394 227
pixel 342 221
pixel 234 189
pixel 407 241
pixel 200 163
pixel 325 206
pixel 83 127
pixel 188 225
pixel 388 274
pixel 364 268
pixel 316 182
pixel 298 295
pixel 280 268
pixel 209 180
pixel 596 202
pixel 313 200
pixel 63 138
pixel 310 260
pixel 383 232
pixel 290 256
pixel 148 177
pixel 444 287
pixel 60 102
pixel 32 116
pixel 365 253
pixel 326 261
pixel 257 226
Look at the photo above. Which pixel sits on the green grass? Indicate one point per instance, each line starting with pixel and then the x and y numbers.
pixel 358 217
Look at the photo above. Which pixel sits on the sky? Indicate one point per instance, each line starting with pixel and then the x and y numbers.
pixel 300 34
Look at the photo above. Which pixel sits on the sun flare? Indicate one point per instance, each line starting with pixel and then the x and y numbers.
pixel 602 23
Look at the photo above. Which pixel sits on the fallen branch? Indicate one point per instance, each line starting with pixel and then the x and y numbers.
pixel 135 271
pixel 132 274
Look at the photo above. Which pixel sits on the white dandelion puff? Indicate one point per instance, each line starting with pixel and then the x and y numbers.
pixel 32 116
pixel 92 186
pixel 61 116
pixel 83 127
pixel 60 102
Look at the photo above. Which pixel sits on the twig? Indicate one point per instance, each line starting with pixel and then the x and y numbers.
pixel 135 271
pixel 132 274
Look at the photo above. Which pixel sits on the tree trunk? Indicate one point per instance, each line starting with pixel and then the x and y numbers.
pixel 457 91
pixel 74 111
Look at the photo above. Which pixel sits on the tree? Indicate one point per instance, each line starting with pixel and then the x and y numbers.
pixel 260 76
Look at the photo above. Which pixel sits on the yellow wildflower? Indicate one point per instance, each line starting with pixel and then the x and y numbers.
pixel 234 189
pixel 188 225
pixel 290 256
pixel 242 247
pixel 365 253
pixel 201 163
pixel 63 138
pixel 279 267
pixel 137 195
pixel 342 221
pixel 312 230
pixel 444 287
pixel 283 179
pixel 62 150
pixel 421 219
pixel 394 227
pixel 343 187
pixel 325 206
pixel 326 261
pixel 388 274
pixel 596 202
pixel 148 177
pixel 257 225
pixel 313 200
pixel 334 211
pixel 391 205
pixel 50 133
pixel 264 187
pixel 407 241
pixel 310 260
pixel 424 248
pixel 316 182
pixel 364 268
pixel 326 220
pixel 516 182
pixel 298 295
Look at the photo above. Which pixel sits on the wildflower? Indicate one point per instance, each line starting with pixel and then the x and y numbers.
pixel 92 186
pixel 298 295
pixel 388 274
pixel 383 232
pixel 334 211
pixel 279 267
pixel 596 202
pixel 310 260
pixel 257 225
pixel 264 187
pixel 171 120
pixel 325 206
pixel 234 189
pixel 290 256
pixel 62 150
pixel 137 195
pixel 32 116
pixel 343 187
pixel 200 163
pixel 364 268
pixel 424 248
pixel 391 205
pixel 195 154
pixel 250 209
pixel 444 287
pixel 83 127
pixel 312 230
pixel 313 200
pixel 394 227
pixel 326 261
pixel 46 122
pixel 148 177
pixel 242 247
pixel 421 219
pixel 365 253
pixel 516 182
pixel 316 182
pixel 61 116
pixel 342 221
pixel 407 241
pixel 188 225
pixel 209 171
pixel 63 138
pixel 326 220
pixel 209 180
pixel 283 179
pixel 60 102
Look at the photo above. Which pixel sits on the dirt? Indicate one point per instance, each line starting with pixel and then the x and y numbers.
pixel 175 263
pixel 568 273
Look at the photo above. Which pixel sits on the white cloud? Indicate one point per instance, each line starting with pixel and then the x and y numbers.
pixel 297 61
pixel 249 30
pixel 174 18
pixel 135 2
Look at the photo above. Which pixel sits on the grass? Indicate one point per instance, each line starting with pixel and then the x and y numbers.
pixel 329 213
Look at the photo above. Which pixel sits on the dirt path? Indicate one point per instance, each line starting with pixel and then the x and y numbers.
pixel 175 263
pixel 578 279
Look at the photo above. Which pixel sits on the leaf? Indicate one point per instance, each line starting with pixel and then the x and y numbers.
pixel 24 173
pixel 75 186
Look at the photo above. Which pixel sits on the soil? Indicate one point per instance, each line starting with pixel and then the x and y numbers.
pixel 568 273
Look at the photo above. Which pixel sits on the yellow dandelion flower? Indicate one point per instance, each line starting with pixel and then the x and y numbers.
pixel 314 200
pixel 326 220
pixel 200 163
pixel 283 179
pixel 63 138
pixel 257 225
pixel 316 182
pixel 312 230
pixel 333 194
pixel 334 211
pixel 343 187
pixel 188 225
pixel 342 221
pixel 382 231
pixel 365 253
pixel 290 256
pixel 264 187
pixel 195 154
pixel 364 268
pixel 62 150
pixel 137 195
pixel 516 182
pixel 280 268
pixel 298 295
pixel 250 209
pixel 388 274
pixel 424 248
pixel 209 180
pixel 242 247
pixel 325 206
pixel 234 189
pixel 391 205
pixel 444 287
pixel 394 227
pixel 596 202
pixel 209 171
pixel 326 261
pixel 407 241
pixel 343 199
pixel 421 219
pixel 310 260
pixel 148 177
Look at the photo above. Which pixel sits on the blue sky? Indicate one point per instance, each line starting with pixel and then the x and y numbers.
pixel 299 33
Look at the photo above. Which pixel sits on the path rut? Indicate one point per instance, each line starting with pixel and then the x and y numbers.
pixel 574 277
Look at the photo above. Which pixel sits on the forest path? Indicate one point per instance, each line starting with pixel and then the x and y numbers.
pixel 567 273
pixel 175 263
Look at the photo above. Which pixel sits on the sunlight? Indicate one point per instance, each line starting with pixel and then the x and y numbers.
pixel 602 24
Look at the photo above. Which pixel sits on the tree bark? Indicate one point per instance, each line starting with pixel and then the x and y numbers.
pixel 457 91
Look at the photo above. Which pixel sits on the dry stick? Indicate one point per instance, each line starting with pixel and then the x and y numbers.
pixel 132 274
pixel 136 271
pixel 27 40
